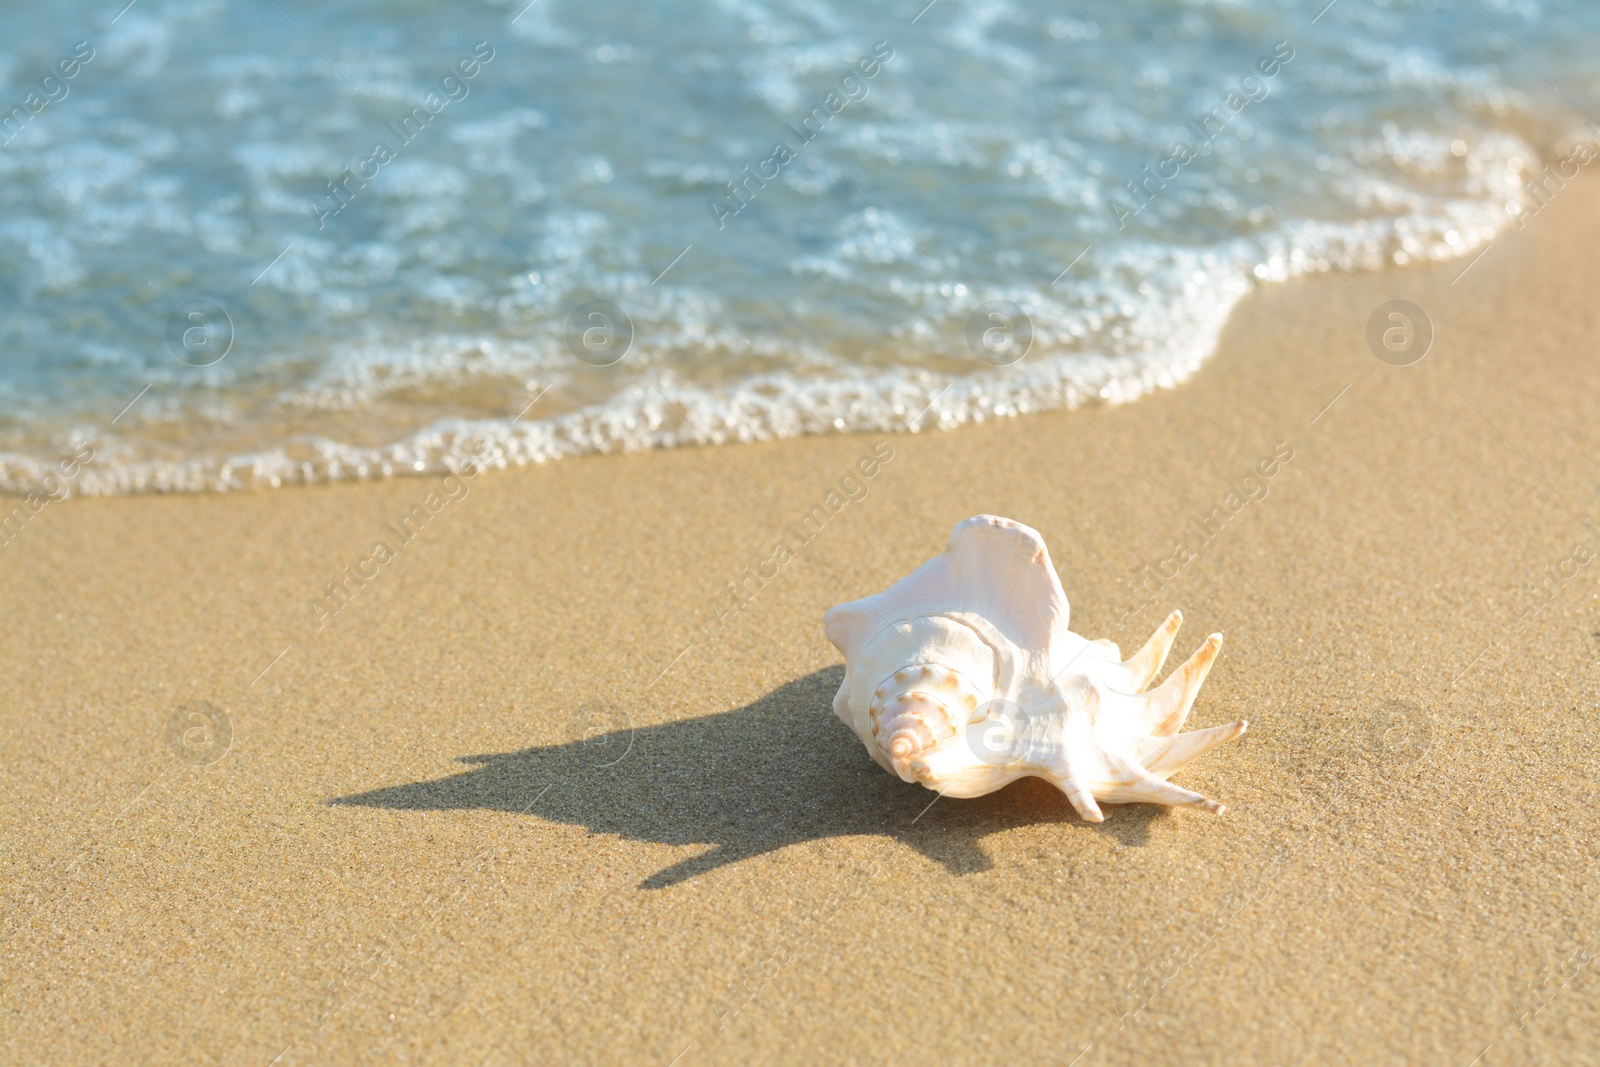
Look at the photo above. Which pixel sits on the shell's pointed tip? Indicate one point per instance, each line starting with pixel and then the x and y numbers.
pixel 1217 809
pixel 1244 726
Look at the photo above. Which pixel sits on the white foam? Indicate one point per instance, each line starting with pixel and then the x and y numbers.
pixel 405 333
pixel 1170 320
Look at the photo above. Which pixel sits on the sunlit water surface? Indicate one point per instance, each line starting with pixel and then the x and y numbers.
pixel 261 243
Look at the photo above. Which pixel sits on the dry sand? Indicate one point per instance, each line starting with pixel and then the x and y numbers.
pixel 494 812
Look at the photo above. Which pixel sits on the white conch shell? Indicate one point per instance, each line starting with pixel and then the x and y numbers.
pixel 964 677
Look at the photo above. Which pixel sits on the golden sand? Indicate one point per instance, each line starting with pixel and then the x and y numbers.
pixel 536 793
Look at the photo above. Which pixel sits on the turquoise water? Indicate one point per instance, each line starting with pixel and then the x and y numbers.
pixel 273 242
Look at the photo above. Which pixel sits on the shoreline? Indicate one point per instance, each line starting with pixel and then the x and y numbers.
pixel 749 415
pixel 526 793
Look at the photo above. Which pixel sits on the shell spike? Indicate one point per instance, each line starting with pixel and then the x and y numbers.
pixel 1152 790
pixel 1162 756
pixel 1082 800
pixel 1145 664
pixel 1167 706
pixel 962 677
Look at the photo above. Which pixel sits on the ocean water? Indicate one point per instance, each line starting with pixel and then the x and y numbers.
pixel 246 245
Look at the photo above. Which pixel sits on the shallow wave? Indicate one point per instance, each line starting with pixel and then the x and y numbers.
pixel 1189 297
pixel 427 323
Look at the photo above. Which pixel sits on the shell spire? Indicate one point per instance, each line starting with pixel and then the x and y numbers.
pixel 964 677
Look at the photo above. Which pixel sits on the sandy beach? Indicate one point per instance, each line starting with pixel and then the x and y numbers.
pixel 534 789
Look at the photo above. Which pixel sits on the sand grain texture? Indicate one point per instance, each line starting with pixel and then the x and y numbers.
pixel 470 819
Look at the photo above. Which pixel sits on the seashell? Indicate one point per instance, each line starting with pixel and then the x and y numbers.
pixel 964 677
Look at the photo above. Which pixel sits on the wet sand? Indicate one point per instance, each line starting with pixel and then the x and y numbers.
pixel 536 793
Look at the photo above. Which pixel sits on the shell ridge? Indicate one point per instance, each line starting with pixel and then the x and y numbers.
pixel 978 635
